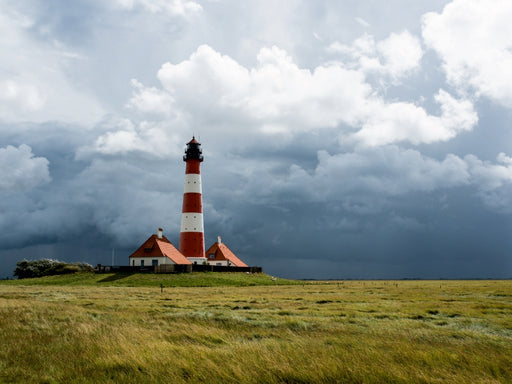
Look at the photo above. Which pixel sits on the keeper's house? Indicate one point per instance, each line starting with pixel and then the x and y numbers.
pixel 158 250
pixel 220 254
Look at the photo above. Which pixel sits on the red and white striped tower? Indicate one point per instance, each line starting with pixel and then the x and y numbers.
pixel 192 232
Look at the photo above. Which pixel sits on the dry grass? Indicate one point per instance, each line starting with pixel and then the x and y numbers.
pixel 332 332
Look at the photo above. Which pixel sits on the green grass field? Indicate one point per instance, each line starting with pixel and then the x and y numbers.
pixel 110 329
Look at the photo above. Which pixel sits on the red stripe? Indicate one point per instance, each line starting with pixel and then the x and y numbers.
pixel 193 166
pixel 192 202
pixel 192 244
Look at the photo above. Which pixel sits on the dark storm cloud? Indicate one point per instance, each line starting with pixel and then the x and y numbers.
pixel 428 236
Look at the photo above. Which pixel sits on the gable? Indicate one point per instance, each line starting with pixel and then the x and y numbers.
pixel 222 252
pixel 155 247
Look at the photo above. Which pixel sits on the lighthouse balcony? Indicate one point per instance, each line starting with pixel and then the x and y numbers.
pixel 189 156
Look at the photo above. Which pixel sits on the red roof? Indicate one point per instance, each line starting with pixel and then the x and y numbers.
pixel 155 247
pixel 222 252
pixel 193 141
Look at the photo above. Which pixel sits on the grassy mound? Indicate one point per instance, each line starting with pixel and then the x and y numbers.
pixel 127 279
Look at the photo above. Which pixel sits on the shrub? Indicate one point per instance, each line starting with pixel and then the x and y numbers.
pixel 47 267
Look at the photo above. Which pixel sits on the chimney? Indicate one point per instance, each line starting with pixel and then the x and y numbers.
pixel 159 233
pixel 218 240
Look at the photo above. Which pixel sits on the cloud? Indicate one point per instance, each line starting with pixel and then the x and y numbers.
pixel 34 81
pixel 367 177
pixel 171 7
pixel 474 39
pixel 401 53
pixel 387 123
pixel 385 171
pixel 396 56
pixel 20 95
pixel 123 198
pixel 122 136
pixel 493 181
pixel 20 170
pixel 276 97
pixel 150 100
pixel 488 175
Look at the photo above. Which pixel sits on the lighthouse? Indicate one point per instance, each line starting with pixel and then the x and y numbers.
pixel 192 229
pixel 158 252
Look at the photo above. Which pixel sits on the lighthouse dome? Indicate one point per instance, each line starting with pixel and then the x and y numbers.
pixel 193 150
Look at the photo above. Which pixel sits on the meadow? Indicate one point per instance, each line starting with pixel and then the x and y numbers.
pixel 106 329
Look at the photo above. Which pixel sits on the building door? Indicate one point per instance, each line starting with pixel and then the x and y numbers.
pixel 142 263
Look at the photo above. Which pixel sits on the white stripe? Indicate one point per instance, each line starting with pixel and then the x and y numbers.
pixel 191 222
pixel 192 183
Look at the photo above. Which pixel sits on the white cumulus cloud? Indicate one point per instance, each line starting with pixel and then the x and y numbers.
pixel 278 97
pixel 401 53
pixel 387 123
pixel 150 99
pixel 20 170
pixel 396 56
pixel 473 38
pixel 122 136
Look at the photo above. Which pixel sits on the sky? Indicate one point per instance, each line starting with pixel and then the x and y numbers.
pixel 350 139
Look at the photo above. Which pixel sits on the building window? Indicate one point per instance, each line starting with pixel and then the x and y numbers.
pixel 154 263
pixel 212 255
pixel 142 263
pixel 133 263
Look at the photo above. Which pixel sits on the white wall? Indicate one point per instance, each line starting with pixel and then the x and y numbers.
pixel 219 262
pixel 197 260
pixel 148 261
